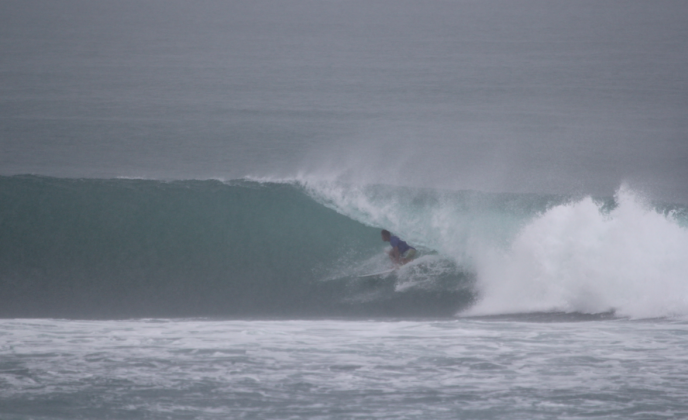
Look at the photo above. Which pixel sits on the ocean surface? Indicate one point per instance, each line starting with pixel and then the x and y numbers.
pixel 192 193
pixel 449 369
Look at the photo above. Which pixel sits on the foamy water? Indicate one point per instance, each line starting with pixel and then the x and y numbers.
pixel 577 257
pixel 468 368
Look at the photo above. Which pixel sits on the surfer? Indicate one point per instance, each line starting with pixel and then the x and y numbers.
pixel 401 252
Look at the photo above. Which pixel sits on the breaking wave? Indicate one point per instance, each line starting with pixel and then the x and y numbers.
pixel 296 248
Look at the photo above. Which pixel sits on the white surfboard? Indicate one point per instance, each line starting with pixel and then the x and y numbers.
pixel 379 273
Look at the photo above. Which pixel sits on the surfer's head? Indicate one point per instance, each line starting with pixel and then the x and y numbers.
pixel 385 235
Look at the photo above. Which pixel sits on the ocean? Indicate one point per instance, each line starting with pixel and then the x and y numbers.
pixel 192 193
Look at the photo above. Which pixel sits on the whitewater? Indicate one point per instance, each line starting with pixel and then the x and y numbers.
pixel 337 369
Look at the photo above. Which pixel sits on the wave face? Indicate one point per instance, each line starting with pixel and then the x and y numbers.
pixel 133 248
pixel 296 248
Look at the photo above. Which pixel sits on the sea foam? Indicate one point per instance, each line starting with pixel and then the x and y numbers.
pixel 577 257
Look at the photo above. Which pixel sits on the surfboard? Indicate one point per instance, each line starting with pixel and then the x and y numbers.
pixel 379 273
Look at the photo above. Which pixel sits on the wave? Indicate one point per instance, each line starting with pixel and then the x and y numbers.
pixel 94 248
pixel 141 248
